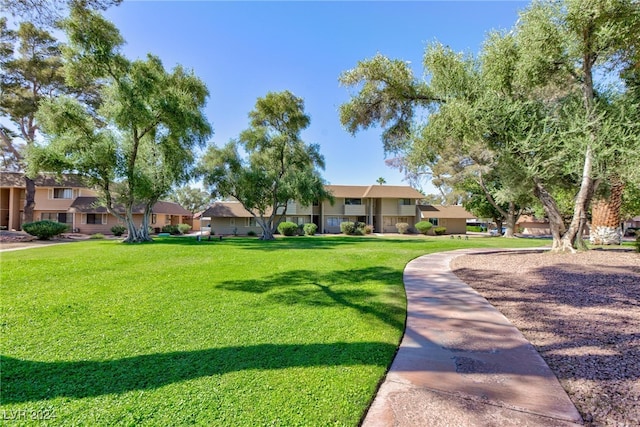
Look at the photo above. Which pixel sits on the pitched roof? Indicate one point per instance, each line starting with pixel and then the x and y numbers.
pixel 91 205
pixel 374 191
pixel 438 211
pixel 226 210
pixel 16 179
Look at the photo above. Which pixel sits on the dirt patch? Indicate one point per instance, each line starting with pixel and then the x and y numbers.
pixel 581 312
pixel 10 240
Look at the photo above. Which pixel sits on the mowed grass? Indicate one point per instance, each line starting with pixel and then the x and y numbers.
pixel 296 331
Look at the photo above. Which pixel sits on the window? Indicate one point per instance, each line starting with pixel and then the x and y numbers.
pixel 404 202
pixel 94 218
pixel 63 193
pixel 296 219
pixel 333 221
pixel 154 218
pixel 352 201
pixel 62 217
pixel 434 221
pixel 250 222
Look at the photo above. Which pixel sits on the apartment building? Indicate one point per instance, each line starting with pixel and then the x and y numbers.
pixel 67 199
pixel 381 206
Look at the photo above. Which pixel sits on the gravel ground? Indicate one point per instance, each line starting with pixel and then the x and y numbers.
pixel 581 312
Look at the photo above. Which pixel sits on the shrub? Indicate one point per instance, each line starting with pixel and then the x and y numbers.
pixel 368 229
pixel 347 227
pixel 97 236
pixel 287 228
pixel 310 229
pixel 251 233
pixel 474 228
pixel 184 228
pixel 171 229
pixel 423 227
pixel 440 230
pixel 118 230
pixel 44 230
pixel 402 227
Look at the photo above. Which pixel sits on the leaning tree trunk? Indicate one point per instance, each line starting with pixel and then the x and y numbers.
pixel 605 221
pixel 556 223
pixel 511 220
pixel 30 199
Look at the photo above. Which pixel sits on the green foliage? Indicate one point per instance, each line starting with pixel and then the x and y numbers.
pixel 402 227
pixel 144 132
pixel 191 198
pixel 439 231
pixel 251 233
pixel 347 227
pixel 171 229
pixel 423 227
pixel 118 230
pixel 97 236
pixel 279 165
pixel 184 228
pixel 44 230
pixel 310 229
pixel 475 228
pixel 287 228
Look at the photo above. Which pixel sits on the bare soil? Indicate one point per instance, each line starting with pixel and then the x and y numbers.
pixel 11 240
pixel 581 312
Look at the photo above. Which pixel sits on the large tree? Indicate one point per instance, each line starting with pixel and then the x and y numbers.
pixel 29 74
pixel 279 166
pixel 139 142
pixel 570 47
pixel 451 146
pixel 192 199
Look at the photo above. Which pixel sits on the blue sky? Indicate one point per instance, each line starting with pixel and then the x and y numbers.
pixel 242 50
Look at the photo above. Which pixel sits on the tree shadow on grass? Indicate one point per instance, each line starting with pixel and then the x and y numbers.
pixel 331 288
pixel 28 381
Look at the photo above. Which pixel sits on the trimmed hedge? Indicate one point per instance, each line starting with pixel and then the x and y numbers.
pixel 287 228
pixel 118 230
pixel 347 227
pixel 310 229
pixel 44 230
pixel 440 230
pixel 423 227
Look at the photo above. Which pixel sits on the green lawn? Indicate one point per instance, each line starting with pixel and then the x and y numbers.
pixel 297 331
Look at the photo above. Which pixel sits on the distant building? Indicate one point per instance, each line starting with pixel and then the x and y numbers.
pixel 381 206
pixel 67 199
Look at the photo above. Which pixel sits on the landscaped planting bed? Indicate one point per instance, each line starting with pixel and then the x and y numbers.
pixel 296 331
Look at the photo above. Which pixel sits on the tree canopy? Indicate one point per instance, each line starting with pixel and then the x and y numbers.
pixel 279 166
pixel 527 111
pixel 139 141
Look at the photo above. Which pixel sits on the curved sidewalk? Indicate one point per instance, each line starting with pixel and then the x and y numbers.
pixel 462 363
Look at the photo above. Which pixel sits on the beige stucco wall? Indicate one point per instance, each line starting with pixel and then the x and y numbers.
pixel 453 225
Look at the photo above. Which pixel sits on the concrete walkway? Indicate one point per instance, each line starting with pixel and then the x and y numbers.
pixel 462 363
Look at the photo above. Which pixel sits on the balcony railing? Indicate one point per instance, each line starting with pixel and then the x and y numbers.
pixel 296 209
pixel 406 210
pixel 355 210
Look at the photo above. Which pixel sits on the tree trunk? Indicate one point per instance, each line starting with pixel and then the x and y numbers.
pixel 605 222
pixel 30 199
pixel 556 224
pixel 511 219
pixel 267 231
pixel 573 236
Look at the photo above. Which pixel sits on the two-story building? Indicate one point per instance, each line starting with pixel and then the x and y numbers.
pixel 67 199
pixel 381 206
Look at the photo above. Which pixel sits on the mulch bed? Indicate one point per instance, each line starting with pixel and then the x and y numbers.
pixel 581 312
